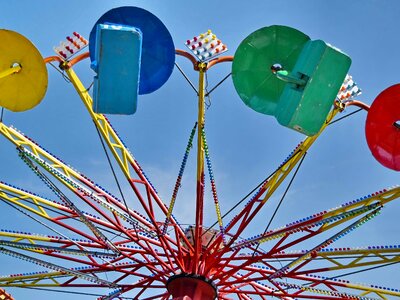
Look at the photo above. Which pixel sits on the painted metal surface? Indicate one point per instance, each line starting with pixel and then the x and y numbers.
pixel 305 107
pixel 118 52
pixel 252 77
pixel 23 74
pixel 146 253
pixel 158 53
pixel 382 128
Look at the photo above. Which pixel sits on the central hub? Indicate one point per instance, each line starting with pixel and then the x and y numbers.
pixel 191 287
pixel 207 236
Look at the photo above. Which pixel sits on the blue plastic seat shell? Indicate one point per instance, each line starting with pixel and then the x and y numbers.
pixel 117 63
pixel 158 50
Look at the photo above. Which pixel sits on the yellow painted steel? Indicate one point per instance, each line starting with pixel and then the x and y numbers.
pixel 360 258
pixel 379 199
pixel 20 140
pixel 373 290
pixel 200 169
pixel 271 185
pixel 68 176
pixel 200 156
pixel 34 280
pixel 19 197
pixel 284 170
pixel 25 89
pixel 125 158
pixel 49 279
pixel 121 154
pixel 308 255
pixel 365 290
pixel 20 236
pixel 10 71
pixel 201 123
pixel 377 251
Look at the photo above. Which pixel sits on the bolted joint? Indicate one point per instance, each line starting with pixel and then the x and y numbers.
pixel 202 66
pixel 340 105
pixel 64 65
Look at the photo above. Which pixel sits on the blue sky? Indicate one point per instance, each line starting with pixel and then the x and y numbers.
pixel 245 146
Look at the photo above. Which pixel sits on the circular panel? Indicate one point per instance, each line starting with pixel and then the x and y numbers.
pixel 382 128
pixel 23 90
pixel 158 50
pixel 256 56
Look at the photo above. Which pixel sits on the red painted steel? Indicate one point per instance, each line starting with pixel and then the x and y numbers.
pixel 382 128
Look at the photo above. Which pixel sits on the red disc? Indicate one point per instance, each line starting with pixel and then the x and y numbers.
pixel 382 128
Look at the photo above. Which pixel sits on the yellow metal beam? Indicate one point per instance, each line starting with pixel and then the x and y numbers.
pixel 123 156
pixel 20 198
pixel 200 170
pixel 65 174
pixel 10 71
pixel 271 185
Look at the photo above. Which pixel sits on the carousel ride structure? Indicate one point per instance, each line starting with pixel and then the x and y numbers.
pixel 98 240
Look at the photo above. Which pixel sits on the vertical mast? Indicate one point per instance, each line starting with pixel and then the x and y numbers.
pixel 200 170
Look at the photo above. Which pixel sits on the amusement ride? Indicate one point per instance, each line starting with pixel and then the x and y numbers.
pixel 99 241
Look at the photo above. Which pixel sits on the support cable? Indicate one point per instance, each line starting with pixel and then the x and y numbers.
pixel 255 189
pixel 61 72
pixel 322 280
pixel 60 291
pixel 41 247
pixel 68 202
pixel 67 292
pixel 241 201
pixel 115 177
pixel 109 206
pixel 51 266
pixel 261 183
pixel 111 231
pixel 187 78
pixel 336 258
pixel 50 228
pixel 345 116
pixel 218 84
pixel 206 95
pixel 280 201
pixel 364 270
pixel 327 242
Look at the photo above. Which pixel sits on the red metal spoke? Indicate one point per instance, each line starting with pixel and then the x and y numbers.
pixel 101 242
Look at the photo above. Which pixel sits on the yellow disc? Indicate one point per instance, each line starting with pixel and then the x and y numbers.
pixel 24 89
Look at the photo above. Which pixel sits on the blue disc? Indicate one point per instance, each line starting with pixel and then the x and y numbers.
pixel 158 50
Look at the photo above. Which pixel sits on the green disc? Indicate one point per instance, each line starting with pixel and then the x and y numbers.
pixel 252 77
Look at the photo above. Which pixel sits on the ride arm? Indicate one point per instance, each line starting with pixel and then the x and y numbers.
pixel 327 219
pixel 72 179
pixel 49 210
pixel 253 280
pixel 88 191
pixel 348 258
pixel 303 229
pixel 239 222
pixel 126 161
